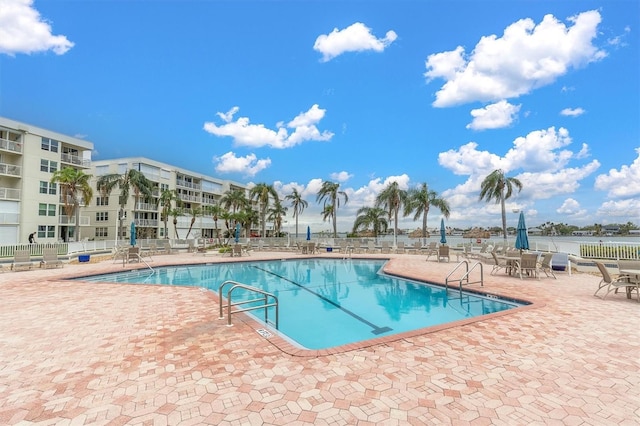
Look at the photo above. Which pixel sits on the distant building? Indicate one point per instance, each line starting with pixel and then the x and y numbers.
pixel 29 202
pixel 582 233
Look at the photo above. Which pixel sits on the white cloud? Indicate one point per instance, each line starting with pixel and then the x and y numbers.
pixel 355 38
pixel 257 135
pixel 541 156
pixel 248 165
pixel 494 116
pixel 572 112
pixel 621 183
pixel 571 207
pixel 628 208
pixel 341 176
pixel 22 30
pixel 527 56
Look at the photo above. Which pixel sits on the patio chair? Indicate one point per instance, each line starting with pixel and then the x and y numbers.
pixel 545 265
pixel 529 265
pixel 613 283
pixel 400 249
pixel 236 250
pixel 50 258
pixel 21 260
pixel 443 253
pixel 431 249
pixel 499 263
pixel 133 254
pixel 386 247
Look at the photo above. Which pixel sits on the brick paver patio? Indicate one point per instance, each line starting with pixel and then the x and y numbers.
pixel 77 353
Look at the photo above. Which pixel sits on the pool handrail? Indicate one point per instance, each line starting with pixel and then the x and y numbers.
pixel 465 277
pixel 265 298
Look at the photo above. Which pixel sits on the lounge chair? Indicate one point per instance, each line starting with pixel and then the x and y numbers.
pixel 50 258
pixel 21 260
pixel 545 265
pixel 443 253
pixel 611 283
pixel 400 249
pixel 386 247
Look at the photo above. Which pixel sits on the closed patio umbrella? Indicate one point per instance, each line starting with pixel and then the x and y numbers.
pixel 132 237
pixel 237 233
pixel 308 233
pixel 443 232
pixel 522 240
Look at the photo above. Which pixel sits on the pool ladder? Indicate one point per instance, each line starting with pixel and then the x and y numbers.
pixel 465 277
pixel 269 300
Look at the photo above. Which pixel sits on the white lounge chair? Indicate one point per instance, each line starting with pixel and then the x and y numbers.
pixel 611 283
pixel 50 259
pixel 21 260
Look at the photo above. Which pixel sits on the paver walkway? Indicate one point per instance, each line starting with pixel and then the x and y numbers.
pixel 78 354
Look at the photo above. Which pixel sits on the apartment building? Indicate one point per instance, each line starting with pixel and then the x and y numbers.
pixel 29 202
pixel 194 191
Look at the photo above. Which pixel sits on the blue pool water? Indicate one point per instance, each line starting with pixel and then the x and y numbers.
pixel 329 302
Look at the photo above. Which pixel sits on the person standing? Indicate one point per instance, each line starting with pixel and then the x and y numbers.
pixel 32 238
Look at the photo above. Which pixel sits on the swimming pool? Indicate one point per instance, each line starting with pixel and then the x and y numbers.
pixel 325 303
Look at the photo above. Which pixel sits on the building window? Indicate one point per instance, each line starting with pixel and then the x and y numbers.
pixel 46 231
pixel 102 201
pixel 102 232
pixel 47 188
pixel 49 145
pixel 46 209
pixel 102 216
pixel 48 166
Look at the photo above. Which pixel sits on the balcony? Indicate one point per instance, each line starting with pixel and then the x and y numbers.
pixel 11 146
pixel 185 197
pixel 66 220
pixel 190 185
pixel 10 169
pixel 75 160
pixel 146 223
pixel 9 194
pixel 69 200
pixel 146 206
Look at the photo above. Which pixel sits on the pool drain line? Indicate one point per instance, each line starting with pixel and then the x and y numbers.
pixel 375 329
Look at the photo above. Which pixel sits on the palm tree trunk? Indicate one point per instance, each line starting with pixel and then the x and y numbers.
pixel 504 218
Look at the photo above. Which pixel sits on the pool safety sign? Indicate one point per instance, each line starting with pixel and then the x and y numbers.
pixel 264 333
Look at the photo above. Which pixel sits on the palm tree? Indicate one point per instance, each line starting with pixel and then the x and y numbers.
pixel 373 217
pixel 498 187
pixel 392 198
pixel 175 212
pixel 73 183
pixel 298 205
pixel 166 198
pixel 195 212
pixel 420 200
pixel 132 180
pixel 215 211
pixel 261 193
pixel 275 215
pixel 330 193
pixel 234 199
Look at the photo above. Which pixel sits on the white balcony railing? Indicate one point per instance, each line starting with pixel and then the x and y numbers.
pixel 9 194
pixel 10 169
pixel 75 159
pixel 71 220
pixel 12 146
pixel 69 200
pixel 185 197
pixel 186 184
pixel 146 206
pixel 146 223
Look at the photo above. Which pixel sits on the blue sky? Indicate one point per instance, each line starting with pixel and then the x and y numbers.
pixel 361 93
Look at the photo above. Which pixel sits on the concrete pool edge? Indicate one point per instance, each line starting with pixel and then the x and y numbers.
pixel 284 345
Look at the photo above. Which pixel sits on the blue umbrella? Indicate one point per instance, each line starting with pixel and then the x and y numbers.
pixel 237 233
pixel 522 240
pixel 132 237
pixel 443 233
pixel 308 233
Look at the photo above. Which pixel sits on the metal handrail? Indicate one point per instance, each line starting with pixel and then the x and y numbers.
pixel 265 299
pixel 465 277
